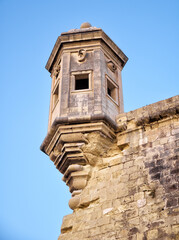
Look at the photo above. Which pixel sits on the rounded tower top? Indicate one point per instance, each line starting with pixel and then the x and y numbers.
pixel 85 25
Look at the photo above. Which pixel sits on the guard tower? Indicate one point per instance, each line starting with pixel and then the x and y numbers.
pixel 86 96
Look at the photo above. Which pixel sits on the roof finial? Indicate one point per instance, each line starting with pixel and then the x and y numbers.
pixel 85 25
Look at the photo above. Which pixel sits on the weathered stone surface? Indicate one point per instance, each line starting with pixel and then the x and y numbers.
pixel 122 170
pixel 137 188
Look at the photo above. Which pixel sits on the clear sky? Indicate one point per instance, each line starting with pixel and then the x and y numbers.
pixel 33 199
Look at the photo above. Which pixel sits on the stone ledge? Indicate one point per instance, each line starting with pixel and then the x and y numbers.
pixel 83 35
pixel 91 123
pixel 149 114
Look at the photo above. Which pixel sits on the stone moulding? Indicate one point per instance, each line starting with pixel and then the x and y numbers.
pixel 156 116
pixel 84 34
pixel 154 113
pixel 73 164
pixel 66 150
pixel 67 121
pixel 70 154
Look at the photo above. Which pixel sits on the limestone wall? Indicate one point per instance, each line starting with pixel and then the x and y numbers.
pixel 132 192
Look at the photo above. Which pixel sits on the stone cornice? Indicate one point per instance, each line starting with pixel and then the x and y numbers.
pixel 84 35
pixel 96 118
pixel 149 114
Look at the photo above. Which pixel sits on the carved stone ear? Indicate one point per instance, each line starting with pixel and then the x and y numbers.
pixel 57 70
pixel 111 66
pixel 81 55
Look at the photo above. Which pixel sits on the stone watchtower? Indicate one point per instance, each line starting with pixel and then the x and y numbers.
pixel 86 95
pixel 121 168
pixel 85 67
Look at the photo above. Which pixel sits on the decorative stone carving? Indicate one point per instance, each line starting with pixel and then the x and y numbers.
pixel 81 55
pixel 111 66
pixel 73 164
pixel 57 70
pixel 85 25
pixel 75 150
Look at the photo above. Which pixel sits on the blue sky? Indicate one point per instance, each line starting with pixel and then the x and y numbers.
pixel 33 199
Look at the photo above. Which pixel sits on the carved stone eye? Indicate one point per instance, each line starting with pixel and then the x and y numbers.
pixel 111 66
pixel 81 55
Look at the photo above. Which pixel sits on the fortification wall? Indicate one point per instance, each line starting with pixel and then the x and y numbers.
pixel 132 192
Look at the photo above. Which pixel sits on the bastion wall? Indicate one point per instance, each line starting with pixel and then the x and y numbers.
pixel 132 189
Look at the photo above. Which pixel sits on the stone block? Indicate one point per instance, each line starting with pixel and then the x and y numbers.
pixel 152 234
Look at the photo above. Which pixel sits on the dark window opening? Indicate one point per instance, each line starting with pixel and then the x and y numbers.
pixel 55 95
pixel 81 82
pixel 111 90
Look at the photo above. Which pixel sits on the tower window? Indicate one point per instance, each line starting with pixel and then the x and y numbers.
pixel 112 90
pixel 109 91
pixel 55 95
pixel 82 81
